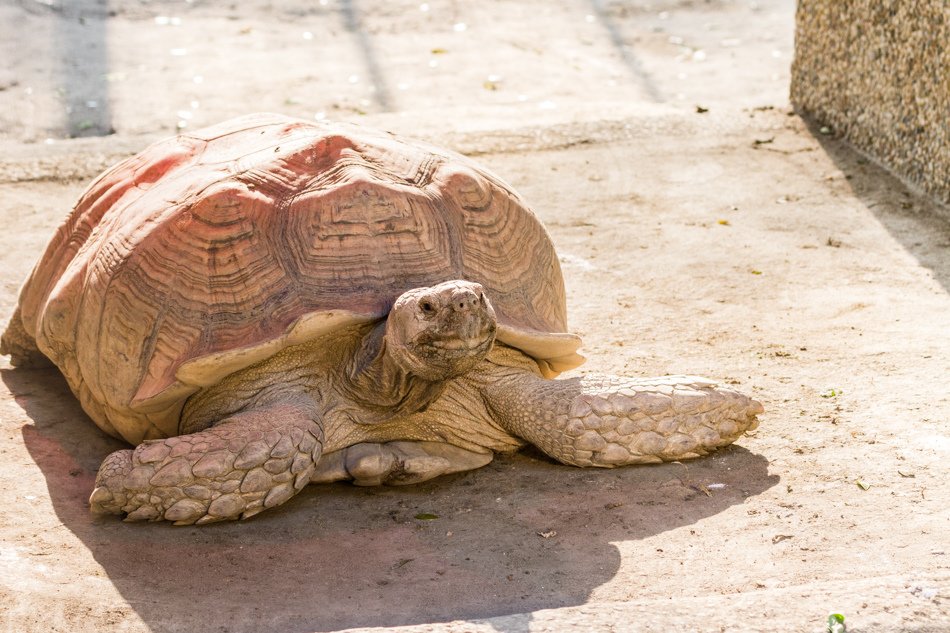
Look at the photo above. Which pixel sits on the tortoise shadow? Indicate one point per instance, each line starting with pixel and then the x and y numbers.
pixel 518 535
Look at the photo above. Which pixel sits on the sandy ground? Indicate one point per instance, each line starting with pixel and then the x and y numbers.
pixel 736 242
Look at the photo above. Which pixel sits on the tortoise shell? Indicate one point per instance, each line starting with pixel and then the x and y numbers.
pixel 211 251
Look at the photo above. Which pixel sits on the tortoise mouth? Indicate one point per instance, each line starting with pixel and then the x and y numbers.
pixel 457 344
pixel 447 355
pixel 466 340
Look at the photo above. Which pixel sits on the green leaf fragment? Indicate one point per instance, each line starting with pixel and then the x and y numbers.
pixel 862 485
pixel 425 516
pixel 836 623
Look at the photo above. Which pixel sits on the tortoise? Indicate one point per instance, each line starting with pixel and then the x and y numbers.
pixel 270 302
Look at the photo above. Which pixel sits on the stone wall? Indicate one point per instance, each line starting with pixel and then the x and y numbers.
pixel 878 72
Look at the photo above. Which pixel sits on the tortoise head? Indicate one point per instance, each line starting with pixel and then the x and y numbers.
pixel 442 331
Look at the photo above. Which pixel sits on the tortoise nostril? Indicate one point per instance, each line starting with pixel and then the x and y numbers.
pixel 465 300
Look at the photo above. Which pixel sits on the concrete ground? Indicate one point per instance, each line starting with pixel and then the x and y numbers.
pixel 703 228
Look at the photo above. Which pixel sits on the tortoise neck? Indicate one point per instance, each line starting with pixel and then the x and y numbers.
pixel 376 380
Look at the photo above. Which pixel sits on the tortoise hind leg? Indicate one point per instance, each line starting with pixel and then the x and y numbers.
pixel 396 463
pixel 248 462
pixel 20 345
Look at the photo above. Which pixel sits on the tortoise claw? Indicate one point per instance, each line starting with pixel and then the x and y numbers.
pixel 101 501
pixel 109 496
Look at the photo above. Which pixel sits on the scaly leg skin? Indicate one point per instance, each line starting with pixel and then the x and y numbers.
pixel 21 347
pixel 248 462
pixel 609 421
pixel 396 463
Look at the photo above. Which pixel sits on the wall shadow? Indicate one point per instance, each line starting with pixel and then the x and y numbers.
pixel 630 60
pixel 80 53
pixel 339 556
pixel 351 21
pixel 919 223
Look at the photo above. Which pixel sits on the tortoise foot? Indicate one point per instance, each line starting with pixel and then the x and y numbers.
pixel 619 421
pixel 396 463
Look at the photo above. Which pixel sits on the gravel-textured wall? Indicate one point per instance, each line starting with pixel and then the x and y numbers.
pixel 878 71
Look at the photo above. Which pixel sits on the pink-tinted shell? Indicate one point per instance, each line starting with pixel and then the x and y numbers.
pixel 224 238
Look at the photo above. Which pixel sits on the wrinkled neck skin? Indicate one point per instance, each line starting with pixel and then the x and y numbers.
pixel 376 378
pixel 362 377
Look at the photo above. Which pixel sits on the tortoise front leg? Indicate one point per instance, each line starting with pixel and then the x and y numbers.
pixel 248 462
pixel 611 421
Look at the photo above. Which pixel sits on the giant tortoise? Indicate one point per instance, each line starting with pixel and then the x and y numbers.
pixel 271 302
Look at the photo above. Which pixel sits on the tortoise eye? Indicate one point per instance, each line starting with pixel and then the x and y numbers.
pixel 426 306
